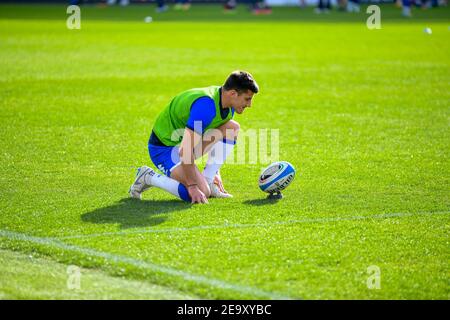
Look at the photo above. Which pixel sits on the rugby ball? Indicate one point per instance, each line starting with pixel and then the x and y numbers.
pixel 276 177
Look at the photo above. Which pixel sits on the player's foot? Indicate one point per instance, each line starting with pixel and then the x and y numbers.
pixel 216 193
pixel 141 183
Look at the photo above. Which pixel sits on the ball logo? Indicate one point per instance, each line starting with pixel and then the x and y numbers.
pixel 285 183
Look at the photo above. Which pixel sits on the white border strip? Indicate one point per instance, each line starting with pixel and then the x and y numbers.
pixel 254 225
pixel 144 265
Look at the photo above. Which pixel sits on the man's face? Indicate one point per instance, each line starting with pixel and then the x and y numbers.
pixel 241 101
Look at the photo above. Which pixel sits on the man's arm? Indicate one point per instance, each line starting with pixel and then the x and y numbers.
pixel 190 140
pixel 202 113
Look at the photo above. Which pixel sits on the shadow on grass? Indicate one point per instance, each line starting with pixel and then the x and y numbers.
pixel 260 202
pixel 132 213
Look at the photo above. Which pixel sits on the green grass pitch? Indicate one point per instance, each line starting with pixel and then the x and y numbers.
pixel 363 116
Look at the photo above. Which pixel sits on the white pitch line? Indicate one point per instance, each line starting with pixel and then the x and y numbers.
pixel 144 265
pixel 253 225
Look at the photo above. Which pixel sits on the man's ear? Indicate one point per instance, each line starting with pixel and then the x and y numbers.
pixel 233 93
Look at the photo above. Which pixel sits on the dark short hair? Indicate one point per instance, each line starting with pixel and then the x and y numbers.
pixel 241 81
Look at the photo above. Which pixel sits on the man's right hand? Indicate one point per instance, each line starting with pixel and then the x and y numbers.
pixel 197 195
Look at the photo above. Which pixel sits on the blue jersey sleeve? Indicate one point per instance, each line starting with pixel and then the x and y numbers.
pixel 202 113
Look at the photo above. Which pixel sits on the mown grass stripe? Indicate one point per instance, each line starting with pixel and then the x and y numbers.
pixel 254 225
pixel 144 265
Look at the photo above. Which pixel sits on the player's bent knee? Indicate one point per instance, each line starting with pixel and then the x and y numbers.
pixel 234 125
